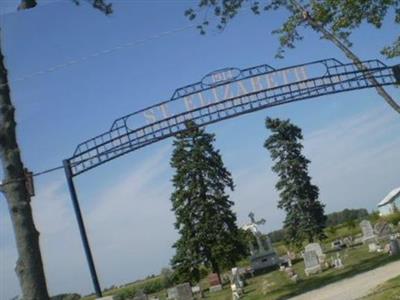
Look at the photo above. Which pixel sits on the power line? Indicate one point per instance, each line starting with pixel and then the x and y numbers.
pixel 3 183
pixel 48 171
pixel 72 62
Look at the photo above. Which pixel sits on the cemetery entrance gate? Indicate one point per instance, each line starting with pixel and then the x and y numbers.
pixel 220 95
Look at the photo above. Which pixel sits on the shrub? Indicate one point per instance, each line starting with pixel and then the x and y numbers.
pixel 152 286
pixel 393 218
pixel 125 293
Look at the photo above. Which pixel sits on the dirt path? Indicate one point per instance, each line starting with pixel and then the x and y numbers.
pixel 354 287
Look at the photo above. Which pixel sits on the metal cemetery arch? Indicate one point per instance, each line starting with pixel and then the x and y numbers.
pixel 220 95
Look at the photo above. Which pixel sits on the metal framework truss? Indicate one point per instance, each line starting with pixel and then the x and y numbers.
pixel 335 78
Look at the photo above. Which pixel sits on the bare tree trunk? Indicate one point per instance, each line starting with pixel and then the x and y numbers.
pixel 29 266
pixel 349 54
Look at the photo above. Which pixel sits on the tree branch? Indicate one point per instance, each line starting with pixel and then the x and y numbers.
pixel 351 55
pixel 27 4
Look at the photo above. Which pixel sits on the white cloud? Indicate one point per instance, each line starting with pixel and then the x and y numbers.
pixel 353 160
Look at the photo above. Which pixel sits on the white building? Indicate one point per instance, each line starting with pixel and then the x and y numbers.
pixel 390 203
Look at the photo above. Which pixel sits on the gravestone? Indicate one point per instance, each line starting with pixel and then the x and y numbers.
pixel 236 282
pixel 172 293
pixel 372 247
pixel 180 292
pixel 358 240
pixel 285 261
pixel 214 282
pixel 291 273
pixel 262 254
pixel 338 244
pixel 140 295
pixel 184 291
pixel 105 298
pixel 318 250
pixel 338 262
pixel 382 230
pixel 394 247
pixel 348 241
pixel 314 247
pixel 368 232
pixel 311 262
pixel 291 255
pixel 213 279
pixel 197 292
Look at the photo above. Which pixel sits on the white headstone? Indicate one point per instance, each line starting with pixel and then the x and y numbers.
pixel 394 247
pixel 172 293
pixel 184 291
pixel 382 229
pixel 310 259
pixel 372 247
pixel 215 288
pixel 311 262
pixel 236 282
pixel 314 247
pixel 196 289
pixel 368 231
pixel 180 292
pixel 140 296
pixel 338 262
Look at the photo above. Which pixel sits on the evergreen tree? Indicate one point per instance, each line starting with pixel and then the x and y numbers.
pixel 207 226
pixel 305 218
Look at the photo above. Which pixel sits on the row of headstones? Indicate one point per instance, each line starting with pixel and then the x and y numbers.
pixel 381 230
pixel 314 258
pixel 186 292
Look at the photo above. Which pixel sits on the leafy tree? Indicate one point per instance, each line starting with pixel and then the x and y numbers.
pixel 333 20
pixel 204 218
pixel 393 218
pixel 374 216
pixel 348 216
pixel 351 223
pixel 277 235
pixel 29 266
pixel 337 218
pixel 305 217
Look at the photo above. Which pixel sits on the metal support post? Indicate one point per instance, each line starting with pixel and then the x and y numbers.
pixel 81 225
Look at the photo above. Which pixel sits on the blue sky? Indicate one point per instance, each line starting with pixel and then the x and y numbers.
pixel 350 138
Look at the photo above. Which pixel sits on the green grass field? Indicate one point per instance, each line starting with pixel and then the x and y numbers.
pixel 388 290
pixel 277 285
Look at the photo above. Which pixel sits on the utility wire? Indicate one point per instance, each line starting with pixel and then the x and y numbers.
pixel 72 62
pixel 3 183
pixel 48 171
pixel 131 44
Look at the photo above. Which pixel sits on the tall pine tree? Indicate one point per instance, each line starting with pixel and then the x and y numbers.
pixel 305 218
pixel 207 226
